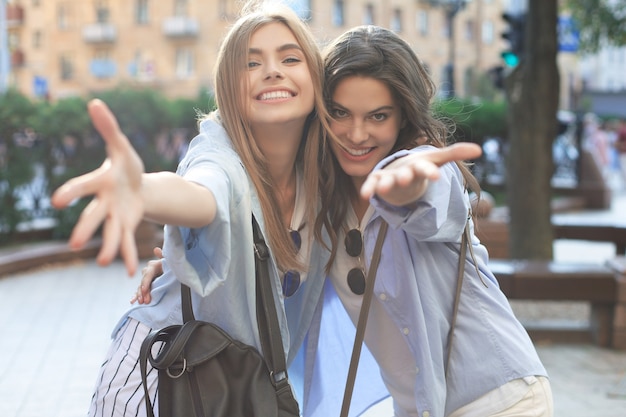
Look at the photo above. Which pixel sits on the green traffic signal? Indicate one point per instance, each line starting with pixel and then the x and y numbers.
pixel 514 34
pixel 510 58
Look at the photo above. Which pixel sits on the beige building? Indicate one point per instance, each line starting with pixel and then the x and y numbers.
pixel 61 48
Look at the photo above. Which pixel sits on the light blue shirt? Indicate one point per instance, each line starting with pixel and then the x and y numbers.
pixel 416 283
pixel 217 261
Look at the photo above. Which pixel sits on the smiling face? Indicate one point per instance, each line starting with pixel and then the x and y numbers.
pixel 280 87
pixel 366 121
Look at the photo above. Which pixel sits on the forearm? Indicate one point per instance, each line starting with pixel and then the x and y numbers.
pixel 171 199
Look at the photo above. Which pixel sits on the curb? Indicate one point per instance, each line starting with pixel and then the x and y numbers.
pixel 27 257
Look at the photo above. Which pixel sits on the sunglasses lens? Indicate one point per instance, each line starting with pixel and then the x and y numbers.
pixel 291 283
pixel 354 242
pixel 296 238
pixel 356 281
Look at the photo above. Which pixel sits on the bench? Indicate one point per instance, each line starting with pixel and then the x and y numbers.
pixel 603 286
pixel 494 233
pixel 593 230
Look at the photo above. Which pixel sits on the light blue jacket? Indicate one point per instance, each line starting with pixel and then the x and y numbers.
pixel 416 284
pixel 217 261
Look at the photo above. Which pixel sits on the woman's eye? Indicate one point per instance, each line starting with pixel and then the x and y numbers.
pixel 292 60
pixel 338 113
pixel 252 64
pixel 379 117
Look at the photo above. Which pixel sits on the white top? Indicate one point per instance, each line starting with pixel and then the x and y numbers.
pixel 382 337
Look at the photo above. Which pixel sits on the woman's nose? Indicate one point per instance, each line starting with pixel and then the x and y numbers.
pixel 357 133
pixel 273 72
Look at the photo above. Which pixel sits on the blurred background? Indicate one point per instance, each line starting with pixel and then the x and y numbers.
pixel 152 61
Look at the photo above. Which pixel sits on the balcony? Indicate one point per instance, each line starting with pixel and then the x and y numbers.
pixel 14 15
pixel 180 27
pixel 99 33
pixel 17 58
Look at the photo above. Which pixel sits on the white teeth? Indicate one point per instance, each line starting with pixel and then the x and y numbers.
pixel 358 152
pixel 273 95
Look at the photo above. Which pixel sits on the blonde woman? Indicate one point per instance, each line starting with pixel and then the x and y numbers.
pixel 258 154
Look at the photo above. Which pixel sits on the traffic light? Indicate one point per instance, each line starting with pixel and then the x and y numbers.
pixel 516 24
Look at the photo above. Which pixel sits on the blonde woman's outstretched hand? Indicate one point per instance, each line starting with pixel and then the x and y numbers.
pixel 405 180
pixel 116 190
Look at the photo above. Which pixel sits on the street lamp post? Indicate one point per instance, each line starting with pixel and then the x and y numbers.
pixel 451 8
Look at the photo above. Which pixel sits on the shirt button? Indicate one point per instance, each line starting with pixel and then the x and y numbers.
pixel 383 296
pixel 425 414
pixel 405 330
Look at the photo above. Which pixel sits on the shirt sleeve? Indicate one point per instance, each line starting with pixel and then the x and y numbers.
pixel 201 257
pixel 439 215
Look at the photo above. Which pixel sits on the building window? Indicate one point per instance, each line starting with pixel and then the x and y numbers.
pixel 446 30
pixel 102 12
pixel 63 16
pixel 368 16
pixel 67 67
pixel 338 13
pixel 487 32
pixel 422 22
pixel 37 39
pixel 469 30
pixel 14 41
pixel 180 8
pixel 141 12
pixel 102 55
pixel 396 21
pixel 102 66
pixel 142 68
pixel 184 63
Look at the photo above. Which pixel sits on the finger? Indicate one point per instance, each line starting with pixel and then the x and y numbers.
pixel 90 219
pixel 422 169
pixel 146 286
pixel 137 297
pixel 110 241
pixel 107 125
pixel 460 151
pixel 369 186
pixel 158 252
pixel 129 250
pixel 84 185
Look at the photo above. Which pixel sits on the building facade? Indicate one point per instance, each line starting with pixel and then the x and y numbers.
pixel 61 48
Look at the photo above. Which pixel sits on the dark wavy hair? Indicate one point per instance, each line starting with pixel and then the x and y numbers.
pixel 376 52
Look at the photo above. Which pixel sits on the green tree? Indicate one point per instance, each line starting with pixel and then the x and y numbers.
pixel 143 115
pixel 16 169
pixel 184 112
pixel 601 23
pixel 69 147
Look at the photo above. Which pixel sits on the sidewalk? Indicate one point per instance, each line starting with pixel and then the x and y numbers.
pixel 55 324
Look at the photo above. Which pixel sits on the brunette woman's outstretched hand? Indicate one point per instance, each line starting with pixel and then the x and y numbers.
pixel 116 190
pixel 405 180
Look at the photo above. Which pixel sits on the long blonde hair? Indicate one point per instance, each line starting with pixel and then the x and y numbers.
pixel 230 67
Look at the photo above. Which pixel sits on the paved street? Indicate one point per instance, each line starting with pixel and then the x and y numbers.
pixel 55 324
